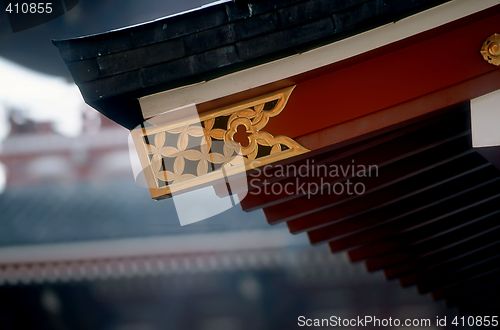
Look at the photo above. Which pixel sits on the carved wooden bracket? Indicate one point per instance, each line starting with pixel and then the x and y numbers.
pixel 187 153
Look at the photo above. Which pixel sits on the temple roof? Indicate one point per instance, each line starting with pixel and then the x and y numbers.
pixel 82 212
pixel 115 68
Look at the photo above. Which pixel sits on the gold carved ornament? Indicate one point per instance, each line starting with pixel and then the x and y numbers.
pixel 185 154
pixel 491 49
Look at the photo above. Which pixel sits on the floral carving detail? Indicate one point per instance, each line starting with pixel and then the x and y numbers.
pixel 216 143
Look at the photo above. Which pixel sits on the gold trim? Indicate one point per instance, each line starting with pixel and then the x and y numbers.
pixel 164 150
pixel 491 49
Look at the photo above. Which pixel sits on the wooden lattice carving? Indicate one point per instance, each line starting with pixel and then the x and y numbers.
pixel 187 153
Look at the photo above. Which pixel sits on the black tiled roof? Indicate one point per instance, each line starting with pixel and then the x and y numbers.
pixel 114 68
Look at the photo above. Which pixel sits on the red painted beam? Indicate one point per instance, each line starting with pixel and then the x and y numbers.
pixel 440 59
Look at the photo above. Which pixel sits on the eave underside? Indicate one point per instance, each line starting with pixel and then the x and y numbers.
pixel 429 219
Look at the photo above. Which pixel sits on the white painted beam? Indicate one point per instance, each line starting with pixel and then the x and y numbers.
pixel 485 120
